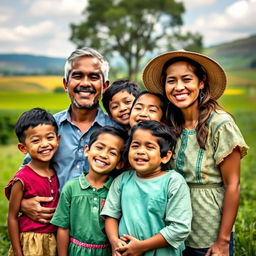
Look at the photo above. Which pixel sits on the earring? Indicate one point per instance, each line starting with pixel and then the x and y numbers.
pixel 201 96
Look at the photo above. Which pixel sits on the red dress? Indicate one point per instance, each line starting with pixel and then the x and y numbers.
pixel 35 185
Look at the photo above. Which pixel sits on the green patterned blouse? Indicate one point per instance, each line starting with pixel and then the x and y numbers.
pixel 201 170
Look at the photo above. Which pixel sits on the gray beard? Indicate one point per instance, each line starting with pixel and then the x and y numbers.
pixel 93 105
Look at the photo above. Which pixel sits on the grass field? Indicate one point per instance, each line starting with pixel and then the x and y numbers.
pixel 25 101
pixel 239 100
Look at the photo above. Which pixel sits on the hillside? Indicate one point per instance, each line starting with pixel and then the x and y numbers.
pixel 19 64
pixel 239 54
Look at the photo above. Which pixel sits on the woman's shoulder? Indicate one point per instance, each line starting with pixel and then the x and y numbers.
pixel 219 118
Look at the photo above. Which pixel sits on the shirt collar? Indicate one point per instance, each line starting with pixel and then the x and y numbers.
pixel 100 117
pixel 84 184
pixel 66 115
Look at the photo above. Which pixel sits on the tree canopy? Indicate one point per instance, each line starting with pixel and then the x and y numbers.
pixel 130 28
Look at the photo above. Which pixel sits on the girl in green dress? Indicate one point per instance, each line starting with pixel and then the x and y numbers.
pixel 209 148
pixel 80 227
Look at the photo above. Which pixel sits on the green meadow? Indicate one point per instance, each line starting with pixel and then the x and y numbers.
pixel 239 100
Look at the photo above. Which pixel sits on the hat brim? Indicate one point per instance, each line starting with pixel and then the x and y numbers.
pixel 217 79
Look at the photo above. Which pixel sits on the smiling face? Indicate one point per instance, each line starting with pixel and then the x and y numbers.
pixel 41 142
pixel 120 107
pixel 104 154
pixel 145 155
pixel 182 86
pixel 146 107
pixel 85 84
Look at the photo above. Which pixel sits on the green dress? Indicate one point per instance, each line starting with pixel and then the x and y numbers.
pixel 79 210
pixel 201 170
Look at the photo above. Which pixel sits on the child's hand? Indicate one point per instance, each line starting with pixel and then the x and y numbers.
pixel 133 248
pixel 118 243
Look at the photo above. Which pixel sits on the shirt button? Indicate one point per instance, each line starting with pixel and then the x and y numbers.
pixel 94 189
pixel 95 208
pixel 95 198
pixel 78 166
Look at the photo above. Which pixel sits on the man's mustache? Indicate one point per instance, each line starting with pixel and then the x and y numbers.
pixel 84 89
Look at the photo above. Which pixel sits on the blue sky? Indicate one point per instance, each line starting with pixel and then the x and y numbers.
pixel 42 26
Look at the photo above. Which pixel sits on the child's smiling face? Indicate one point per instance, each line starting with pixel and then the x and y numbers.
pixel 144 154
pixel 120 107
pixel 104 154
pixel 146 107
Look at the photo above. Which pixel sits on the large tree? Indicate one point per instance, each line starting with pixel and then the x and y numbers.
pixel 130 28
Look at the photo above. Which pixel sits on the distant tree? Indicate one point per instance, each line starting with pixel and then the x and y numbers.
pixel 130 28
pixel 188 41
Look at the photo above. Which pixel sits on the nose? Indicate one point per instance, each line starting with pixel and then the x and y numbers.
pixel 104 154
pixel 85 80
pixel 141 151
pixel 179 85
pixel 144 112
pixel 44 143
pixel 123 107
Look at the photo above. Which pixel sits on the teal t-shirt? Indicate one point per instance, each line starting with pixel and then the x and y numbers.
pixel 146 207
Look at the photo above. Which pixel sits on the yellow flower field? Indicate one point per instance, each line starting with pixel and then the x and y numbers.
pixel 48 82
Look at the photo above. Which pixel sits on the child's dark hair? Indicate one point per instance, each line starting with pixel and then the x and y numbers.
pixel 33 118
pixel 107 129
pixel 117 86
pixel 163 102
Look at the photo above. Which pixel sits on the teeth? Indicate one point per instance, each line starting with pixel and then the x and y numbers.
pixel 181 96
pixel 125 116
pixel 45 151
pixel 84 93
pixel 100 162
pixel 141 160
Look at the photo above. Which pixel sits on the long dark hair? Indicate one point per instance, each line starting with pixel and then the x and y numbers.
pixel 206 103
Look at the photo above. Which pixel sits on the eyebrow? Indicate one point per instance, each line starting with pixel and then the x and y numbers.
pixel 117 101
pixel 90 73
pixel 103 144
pixel 172 76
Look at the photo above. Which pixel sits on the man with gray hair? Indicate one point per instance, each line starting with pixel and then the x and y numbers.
pixel 85 80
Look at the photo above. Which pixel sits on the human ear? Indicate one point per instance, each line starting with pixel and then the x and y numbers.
pixel 120 165
pixel 105 85
pixel 202 82
pixel 65 84
pixel 167 158
pixel 86 150
pixel 22 148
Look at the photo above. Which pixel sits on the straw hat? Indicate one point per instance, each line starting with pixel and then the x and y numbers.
pixel 217 79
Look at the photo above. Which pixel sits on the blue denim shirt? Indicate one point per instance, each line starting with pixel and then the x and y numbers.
pixel 69 161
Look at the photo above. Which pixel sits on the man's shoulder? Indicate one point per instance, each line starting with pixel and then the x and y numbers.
pixel 60 115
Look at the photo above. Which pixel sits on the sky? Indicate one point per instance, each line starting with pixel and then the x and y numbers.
pixel 41 27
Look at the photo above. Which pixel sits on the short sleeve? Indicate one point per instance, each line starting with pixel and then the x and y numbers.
pixel 226 138
pixel 178 212
pixel 61 216
pixel 112 206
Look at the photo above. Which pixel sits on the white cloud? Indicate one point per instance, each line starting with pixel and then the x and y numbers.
pixel 5 14
pixel 25 33
pixel 238 9
pixel 237 20
pixel 192 4
pixel 61 8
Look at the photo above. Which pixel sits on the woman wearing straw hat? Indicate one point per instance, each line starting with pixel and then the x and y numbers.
pixel 209 146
